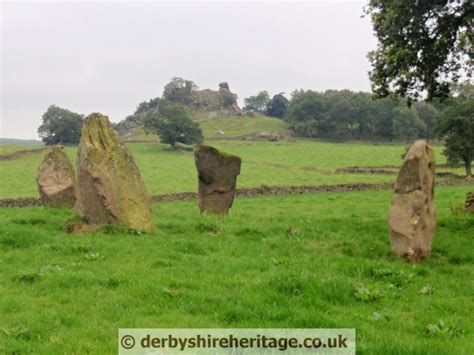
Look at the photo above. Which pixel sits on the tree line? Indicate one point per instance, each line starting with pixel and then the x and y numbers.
pixel 332 114
pixel 348 115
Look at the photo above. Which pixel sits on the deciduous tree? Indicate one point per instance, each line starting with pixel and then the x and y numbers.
pixel 60 126
pixel 422 45
pixel 172 123
pixel 456 127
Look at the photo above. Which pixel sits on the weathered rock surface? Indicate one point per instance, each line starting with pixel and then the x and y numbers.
pixel 56 179
pixel 412 217
pixel 224 86
pixel 470 202
pixel 217 173
pixel 230 100
pixel 184 147
pixel 270 136
pixel 216 102
pixel 110 188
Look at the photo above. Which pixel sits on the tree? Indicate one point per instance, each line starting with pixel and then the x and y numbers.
pixel 342 112
pixel 307 116
pixel 60 126
pixel 227 98
pixel 257 103
pixel 147 106
pixel 428 114
pixel 179 90
pixel 277 106
pixel 456 127
pixel 406 124
pixel 172 123
pixel 383 111
pixel 423 46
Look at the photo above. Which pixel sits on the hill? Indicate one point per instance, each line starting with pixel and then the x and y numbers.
pixel 222 125
pixel 13 141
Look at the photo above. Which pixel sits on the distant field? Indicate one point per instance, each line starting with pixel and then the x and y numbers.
pixel 309 261
pixel 264 163
pixel 10 148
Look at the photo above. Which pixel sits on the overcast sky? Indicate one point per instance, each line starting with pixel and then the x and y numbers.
pixel 108 57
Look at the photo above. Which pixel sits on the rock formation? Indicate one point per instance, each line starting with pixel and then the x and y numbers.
pixel 224 86
pixel 270 137
pixel 412 218
pixel 470 202
pixel 56 179
pixel 110 188
pixel 217 173
pixel 228 99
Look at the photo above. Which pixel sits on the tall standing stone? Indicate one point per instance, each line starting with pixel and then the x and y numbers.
pixel 217 176
pixel 412 218
pixel 111 189
pixel 56 179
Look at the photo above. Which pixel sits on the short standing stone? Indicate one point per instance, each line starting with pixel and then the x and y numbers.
pixel 56 179
pixel 412 218
pixel 470 202
pixel 217 173
pixel 110 188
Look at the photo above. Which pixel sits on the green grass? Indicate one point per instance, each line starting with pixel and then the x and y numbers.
pixel 233 126
pixel 306 261
pixel 11 148
pixel 236 126
pixel 302 162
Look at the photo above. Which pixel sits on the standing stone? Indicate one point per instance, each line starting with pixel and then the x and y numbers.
pixel 412 218
pixel 111 189
pixel 217 173
pixel 56 179
pixel 470 202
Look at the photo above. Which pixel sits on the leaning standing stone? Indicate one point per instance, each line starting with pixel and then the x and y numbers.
pixel 470 202
pixel 412 218
pixel 217 174
pixel 56 179
pixel 111 189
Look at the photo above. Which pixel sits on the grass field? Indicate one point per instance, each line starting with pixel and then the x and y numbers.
pixel 11 148
pixel 232 126
pixel 264 163
pixel 307 261
pixel 304 261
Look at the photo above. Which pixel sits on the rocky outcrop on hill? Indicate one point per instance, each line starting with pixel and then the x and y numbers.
pixel 222 100
pixel 270 136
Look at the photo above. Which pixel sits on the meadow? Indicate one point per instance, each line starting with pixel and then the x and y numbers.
pixel 303 261
pixel 282 163
pixel 306 261
pixel 218 126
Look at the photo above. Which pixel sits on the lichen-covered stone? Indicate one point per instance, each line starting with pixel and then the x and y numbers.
pixel 110 188
pixel 470 202
pixel 217 178
pixel 56 179
pixel 412 217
